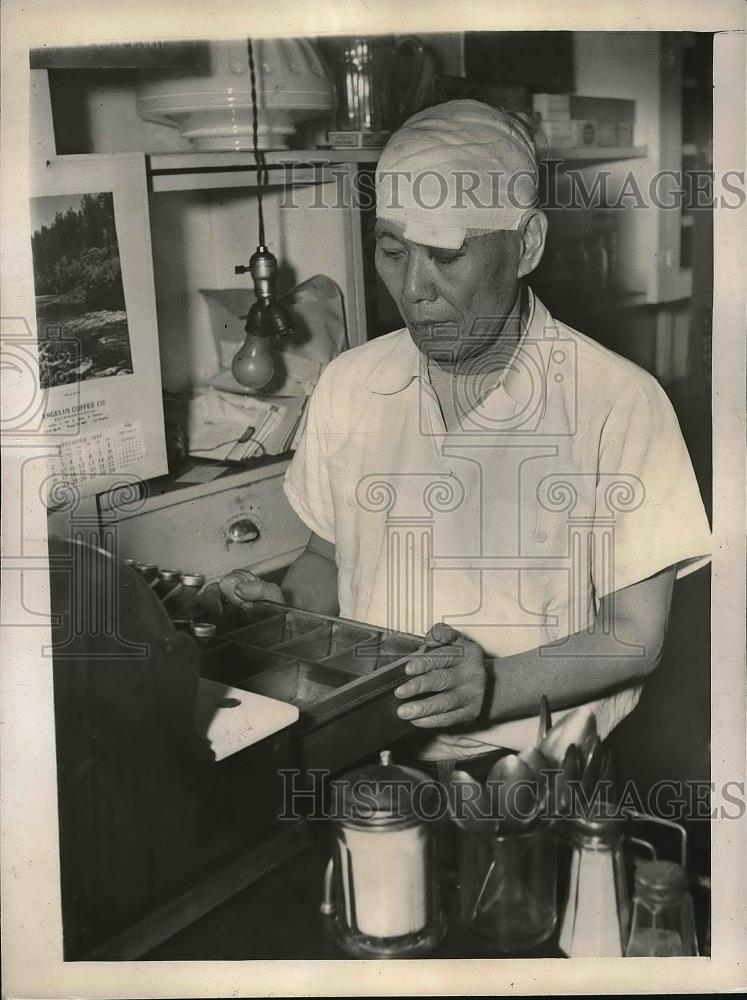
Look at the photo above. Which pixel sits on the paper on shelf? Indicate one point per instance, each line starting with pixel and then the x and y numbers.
pixel 227 426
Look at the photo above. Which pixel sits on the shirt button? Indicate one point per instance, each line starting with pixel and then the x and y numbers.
pixel 541 536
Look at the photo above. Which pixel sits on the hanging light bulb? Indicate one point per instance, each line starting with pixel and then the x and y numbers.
pixel 267 320
pixel 253 366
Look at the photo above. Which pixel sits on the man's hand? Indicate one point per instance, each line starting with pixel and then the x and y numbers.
pixel 240 587
pixel 452 672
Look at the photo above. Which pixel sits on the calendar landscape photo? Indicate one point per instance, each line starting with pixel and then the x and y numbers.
pixel 80 305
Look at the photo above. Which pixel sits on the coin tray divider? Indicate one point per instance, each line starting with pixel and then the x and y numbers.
pixel 324 664
pixel 269 631
pixel 299 682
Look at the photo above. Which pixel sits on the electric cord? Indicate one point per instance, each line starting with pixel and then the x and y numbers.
pixel 258 156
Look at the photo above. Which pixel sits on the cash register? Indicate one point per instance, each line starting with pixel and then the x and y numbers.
pixel 178 731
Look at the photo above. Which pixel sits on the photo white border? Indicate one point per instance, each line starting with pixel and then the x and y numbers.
pixel 31 957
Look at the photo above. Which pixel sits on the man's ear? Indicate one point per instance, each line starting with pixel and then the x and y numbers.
pixel 533 235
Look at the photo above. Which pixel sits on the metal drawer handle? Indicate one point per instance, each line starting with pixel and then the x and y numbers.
pixel 244 530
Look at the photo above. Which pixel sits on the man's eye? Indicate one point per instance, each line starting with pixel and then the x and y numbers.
pixel 392 253
pixel 446 258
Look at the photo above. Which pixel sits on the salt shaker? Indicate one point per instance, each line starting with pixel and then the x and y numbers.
pixel 663 923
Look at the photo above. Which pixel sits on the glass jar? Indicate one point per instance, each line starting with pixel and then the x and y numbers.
pixel 596 913
pixel 361 69
pixel 386 898
pixel 663 922
pixel 508 886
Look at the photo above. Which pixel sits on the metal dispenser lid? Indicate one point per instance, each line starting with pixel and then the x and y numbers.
pixel 192 579
pixel 383 795
pixel 604 821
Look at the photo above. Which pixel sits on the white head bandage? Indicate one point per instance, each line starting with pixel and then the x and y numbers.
pixel 457 169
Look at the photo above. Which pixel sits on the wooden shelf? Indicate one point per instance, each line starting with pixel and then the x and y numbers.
pixel 191 171
pixel 617 302
pixel 206 171
pixel 597 154
pixel 173 162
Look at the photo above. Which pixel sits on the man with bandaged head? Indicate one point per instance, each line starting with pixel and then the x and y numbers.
pixel 486 475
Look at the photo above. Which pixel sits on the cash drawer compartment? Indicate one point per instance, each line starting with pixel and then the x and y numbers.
pixel 340 674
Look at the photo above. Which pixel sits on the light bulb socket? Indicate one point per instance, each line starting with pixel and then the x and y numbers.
pixel 268 319
pixel 277 320
pixel 264 270
pixel 255 325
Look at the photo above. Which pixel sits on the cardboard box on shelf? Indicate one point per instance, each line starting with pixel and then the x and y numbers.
pixel 572 134
pixel 561 135
pixel 607 134
pixel 357 140
pixel 602 109
pixel 585 133
pixel 625 134
pixel 552 107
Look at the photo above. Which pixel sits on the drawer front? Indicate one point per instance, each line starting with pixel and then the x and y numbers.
pixel 251 524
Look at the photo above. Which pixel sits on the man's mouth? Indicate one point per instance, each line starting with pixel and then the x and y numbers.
pixel 435 327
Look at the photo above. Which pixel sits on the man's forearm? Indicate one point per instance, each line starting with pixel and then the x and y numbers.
pixel 622 646
pixel 577 669
pixel 311 584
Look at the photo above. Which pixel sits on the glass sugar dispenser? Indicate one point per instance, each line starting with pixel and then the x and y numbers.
pixel 381 884
pixel 663 922
pixel 596 913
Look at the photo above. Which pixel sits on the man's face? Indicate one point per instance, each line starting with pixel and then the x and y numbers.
pixel 451 300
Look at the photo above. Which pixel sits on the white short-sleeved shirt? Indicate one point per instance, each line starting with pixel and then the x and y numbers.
pixel 568 481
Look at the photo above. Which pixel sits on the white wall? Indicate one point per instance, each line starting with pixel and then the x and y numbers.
pixel 198 238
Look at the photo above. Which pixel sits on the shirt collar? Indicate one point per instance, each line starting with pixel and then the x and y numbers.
pixel 400 366
pixel 405 362
pixel 532 358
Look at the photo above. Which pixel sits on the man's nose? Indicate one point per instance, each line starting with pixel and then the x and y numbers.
pixel 418 284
